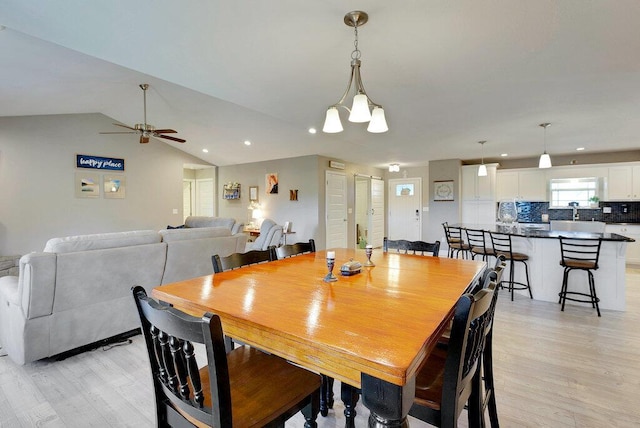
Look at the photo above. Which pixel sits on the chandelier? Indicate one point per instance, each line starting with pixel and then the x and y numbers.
pixel 359 111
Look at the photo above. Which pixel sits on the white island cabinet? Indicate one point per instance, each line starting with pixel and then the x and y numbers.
pixel 545 272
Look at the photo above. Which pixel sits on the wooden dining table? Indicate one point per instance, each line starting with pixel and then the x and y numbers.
pixel 371 330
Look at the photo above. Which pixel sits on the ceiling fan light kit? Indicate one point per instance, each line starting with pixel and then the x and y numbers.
pixel 146 130
pixel 360 108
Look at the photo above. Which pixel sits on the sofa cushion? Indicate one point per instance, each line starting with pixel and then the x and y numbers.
pixel 101 241
pixel 202 221
pixel 172 235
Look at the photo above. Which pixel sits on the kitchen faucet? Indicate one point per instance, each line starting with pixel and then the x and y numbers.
pixel 576 215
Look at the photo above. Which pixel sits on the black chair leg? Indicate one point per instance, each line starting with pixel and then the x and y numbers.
pixel 594 297
pixel 310 411
pixel 326 395
pixel 526 272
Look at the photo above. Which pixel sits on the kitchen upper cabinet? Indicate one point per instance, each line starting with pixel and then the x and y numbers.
pixel 478 212
pixel 476 188
pixel 525 185
pixel 624 183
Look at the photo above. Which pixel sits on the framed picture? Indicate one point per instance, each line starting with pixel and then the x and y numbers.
pixel 271 182
pixel 114 186
pixel 87 185
pixel 253 193
pixel 443 190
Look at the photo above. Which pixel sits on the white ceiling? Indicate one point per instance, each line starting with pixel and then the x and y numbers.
pixel 448 72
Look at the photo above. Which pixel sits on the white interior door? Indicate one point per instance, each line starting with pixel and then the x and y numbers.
pixel 405 209
pixel 204 197
pixel 336 209
pixel 377 212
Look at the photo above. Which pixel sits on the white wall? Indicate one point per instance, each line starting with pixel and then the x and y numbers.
pixel 294 173
pixel 37 172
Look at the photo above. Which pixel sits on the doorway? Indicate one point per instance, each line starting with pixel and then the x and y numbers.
pixel 405 209
pixel 369 211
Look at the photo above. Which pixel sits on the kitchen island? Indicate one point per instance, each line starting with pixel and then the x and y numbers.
pixel 545 272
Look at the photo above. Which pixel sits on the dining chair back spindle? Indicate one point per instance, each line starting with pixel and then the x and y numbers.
pixel 411 247
pixel 244 388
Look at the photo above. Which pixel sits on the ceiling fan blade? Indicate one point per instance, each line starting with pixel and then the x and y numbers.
pixel 143 139
pixel 165 131
pixel 125 126
pixel 119 132
pixel 179 140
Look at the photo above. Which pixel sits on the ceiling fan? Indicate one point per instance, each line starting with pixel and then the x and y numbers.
pixel 144 129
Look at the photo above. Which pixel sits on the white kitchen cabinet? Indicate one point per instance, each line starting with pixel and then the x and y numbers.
pixel 624 183
pixel 630 231
pixel 525 185
pixel 476 188
pixel 479 212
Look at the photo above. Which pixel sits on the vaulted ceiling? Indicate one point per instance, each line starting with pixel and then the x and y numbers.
pixel 448 72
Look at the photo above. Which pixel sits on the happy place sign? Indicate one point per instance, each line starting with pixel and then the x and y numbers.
pixel 98 162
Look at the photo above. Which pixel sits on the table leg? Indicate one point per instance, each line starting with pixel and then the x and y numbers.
pixel 389 404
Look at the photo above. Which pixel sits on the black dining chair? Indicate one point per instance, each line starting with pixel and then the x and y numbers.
pixel 298 248
pixel 238 260
pixel 243 388
pixel 411 247
pixel 449 379
pixel 579 254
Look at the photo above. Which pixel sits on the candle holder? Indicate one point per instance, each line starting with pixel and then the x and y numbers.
pixel 330 277
pixel 368 251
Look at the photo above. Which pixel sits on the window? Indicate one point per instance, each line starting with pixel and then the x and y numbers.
pixel 404 189
pixel 580 190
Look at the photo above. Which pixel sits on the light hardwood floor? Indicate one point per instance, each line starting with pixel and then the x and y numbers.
pixel 552 369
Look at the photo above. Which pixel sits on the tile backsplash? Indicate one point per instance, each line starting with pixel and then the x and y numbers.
pixel 609 212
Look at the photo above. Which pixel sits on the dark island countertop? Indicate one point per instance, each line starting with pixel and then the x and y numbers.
pixel 535 232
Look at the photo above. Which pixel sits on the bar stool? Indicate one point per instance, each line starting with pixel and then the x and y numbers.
pixel 579 254
pixel 478 244
pixel 455 241
pixel 502 245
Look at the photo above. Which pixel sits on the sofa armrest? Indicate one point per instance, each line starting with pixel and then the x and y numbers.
pixel 238 227
pixel 36 284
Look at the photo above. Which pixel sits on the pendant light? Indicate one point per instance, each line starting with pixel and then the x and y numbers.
pixel 359 111
pixel 482 169
pixel 545 159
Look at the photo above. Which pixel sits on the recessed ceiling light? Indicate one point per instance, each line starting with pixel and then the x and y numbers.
pixel 247 142
pixel 205 150
pixel 504 155
pixel 579 149
pixel 312 130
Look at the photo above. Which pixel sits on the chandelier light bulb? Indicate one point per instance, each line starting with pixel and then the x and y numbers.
pixel 332 122
pixel 378 122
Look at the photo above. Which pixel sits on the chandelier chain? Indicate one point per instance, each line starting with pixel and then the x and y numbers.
pixel 356 52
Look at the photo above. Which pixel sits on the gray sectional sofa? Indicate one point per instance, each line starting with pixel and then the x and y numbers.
pixel 77 291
